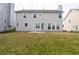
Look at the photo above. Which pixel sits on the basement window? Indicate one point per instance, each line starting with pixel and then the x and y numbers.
pixel 26 24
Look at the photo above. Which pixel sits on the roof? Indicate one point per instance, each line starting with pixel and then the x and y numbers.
pixel 38 11
pixel 69 12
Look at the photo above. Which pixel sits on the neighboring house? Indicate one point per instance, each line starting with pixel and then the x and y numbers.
pixel 39 20
pixel 71 21
pixel 6 16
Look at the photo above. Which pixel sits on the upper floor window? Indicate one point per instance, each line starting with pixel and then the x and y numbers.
pixel 60 16
pixel 24 16
pixel 34 16
pixel 40 14
pixel 69 21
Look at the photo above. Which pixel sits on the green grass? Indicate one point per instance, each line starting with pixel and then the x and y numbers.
pixel 49 43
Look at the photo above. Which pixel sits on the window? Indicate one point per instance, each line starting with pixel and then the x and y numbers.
pixel 40 14
pixel 63 25
pixel 57 27
pixel 49 26
pixel 76 27
pixel 5 28
pixel 4 21
pixel 60 16
pixel 73 27
pixel 37 25
pixel 69 21
pixel 17 24
pixel 25 24
pixel 53 27
pixel 24 16
pixel 34 16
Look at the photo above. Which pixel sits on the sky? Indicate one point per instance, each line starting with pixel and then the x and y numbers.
pixel 44 4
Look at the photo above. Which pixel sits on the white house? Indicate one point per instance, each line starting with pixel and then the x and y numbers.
pixel 39 20
pixel 6 16
pixel 71 21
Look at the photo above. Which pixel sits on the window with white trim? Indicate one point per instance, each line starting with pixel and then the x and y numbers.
pixel 17 24
pixel 26 24
pixel 24 15
pixel 58 27
pixel 53 27
pixel 34 16
pixel 37 25
pixel 49 26
pixel 69 21
pixel 76 27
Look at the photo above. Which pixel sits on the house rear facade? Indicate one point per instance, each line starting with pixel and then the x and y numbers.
pixel 39 20
pixel 71 21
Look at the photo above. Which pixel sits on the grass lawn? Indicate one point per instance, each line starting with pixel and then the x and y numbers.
pixel 49 43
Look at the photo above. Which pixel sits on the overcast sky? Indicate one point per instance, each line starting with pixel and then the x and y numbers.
pixel 44 4
pixel 66 6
